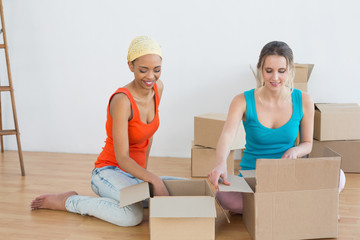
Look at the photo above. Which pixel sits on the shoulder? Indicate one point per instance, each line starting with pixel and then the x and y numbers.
pixel 238 103
pixel 307 99
pixel 160 87
pixel 307 104
pixel 119 102
pixel 239 99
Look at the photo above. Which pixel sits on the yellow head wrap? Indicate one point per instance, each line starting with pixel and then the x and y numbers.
pixel 141 46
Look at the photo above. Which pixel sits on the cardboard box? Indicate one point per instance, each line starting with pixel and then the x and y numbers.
pixel 208 128
pixel 188 213
pixel 292 198
pixel 348 150
pixel 203 161
pixel 302 75
pixel 337 121
pixel 301 86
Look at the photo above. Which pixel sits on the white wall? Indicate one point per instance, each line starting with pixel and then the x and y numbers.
pixel 68 56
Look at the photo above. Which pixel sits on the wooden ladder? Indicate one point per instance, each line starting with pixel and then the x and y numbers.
pixel 10 89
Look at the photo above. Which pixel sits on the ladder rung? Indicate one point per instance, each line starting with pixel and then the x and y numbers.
pixel 7 132
pixel 2 45
pixel 4 88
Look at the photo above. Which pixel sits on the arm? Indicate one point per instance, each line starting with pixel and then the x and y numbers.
pixel 235 115
pixel 160 86
pixel 120 110
pixel 306 130
pixel 148 150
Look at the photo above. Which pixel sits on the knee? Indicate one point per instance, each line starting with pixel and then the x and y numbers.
pixel 132 215
pixel 231 201
pixel 342 180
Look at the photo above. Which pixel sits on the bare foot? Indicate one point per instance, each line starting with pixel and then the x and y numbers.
pixel 51 201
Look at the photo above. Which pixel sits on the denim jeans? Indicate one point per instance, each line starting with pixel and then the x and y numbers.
pixel 106 182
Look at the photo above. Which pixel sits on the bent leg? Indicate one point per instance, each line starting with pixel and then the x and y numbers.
pixel 232 201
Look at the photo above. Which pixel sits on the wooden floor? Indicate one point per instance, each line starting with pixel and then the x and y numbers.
pixel 59 172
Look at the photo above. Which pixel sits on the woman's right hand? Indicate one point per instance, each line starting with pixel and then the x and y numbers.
pixel 159 187
pixel 216 173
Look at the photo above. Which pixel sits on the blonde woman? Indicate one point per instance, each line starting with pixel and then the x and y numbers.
pixel 272 115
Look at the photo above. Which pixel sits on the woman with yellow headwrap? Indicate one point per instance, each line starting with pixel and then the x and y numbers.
pixel 130 125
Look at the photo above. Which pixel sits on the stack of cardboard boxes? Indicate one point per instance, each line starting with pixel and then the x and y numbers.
pixel 207 131
pixel 337 127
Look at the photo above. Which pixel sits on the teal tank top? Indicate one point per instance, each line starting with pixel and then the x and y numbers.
pixel 263 142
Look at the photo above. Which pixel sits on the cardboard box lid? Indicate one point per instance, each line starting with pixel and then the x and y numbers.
pixel 303 72
pixel 134 193
pixel 237 184
pixel 337 107
pixel 317 172
pixel 182 207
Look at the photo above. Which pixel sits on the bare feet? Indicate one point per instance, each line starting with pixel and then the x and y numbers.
pixel 51 201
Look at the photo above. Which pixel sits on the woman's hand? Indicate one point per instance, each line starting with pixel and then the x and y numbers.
pixel 291 153
pixel 216 173
pixel 159 187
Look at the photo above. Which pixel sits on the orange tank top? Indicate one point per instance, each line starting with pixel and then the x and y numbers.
pixel 139 134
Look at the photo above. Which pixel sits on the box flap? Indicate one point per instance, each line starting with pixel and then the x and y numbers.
pixel 183 207
pixel 237 184
pixel 337 107
pixel 303 72
pixel 248 173
pixel 322 172
pixel 134 193
pixel 215 116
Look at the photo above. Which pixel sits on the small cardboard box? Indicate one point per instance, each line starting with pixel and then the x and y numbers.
pixel 348 150
pixel 208 128
pixel 203 161
pixel 302 75
pixel 337 121
pixel 292 198
pixel 188 213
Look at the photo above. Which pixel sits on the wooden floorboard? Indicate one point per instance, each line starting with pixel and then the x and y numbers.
pixel 59 172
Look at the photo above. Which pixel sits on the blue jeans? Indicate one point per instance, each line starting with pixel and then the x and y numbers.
pixel 106 182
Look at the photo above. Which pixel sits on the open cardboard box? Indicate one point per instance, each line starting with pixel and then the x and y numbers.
pixel 203 161
pixel 208 128
pixel 302 75
pixel 291 198
pixel 337 121
pixel 188 213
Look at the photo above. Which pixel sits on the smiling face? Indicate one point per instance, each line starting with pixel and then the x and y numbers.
pixel 146 69
pixel 275 72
